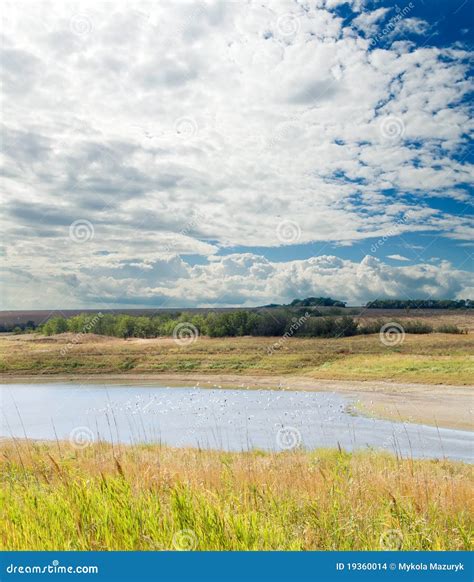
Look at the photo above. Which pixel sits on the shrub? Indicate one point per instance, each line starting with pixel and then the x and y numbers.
pixel 328 327
pixel 449 328
pixel 55 325
pixel 418 327
pixel 370 327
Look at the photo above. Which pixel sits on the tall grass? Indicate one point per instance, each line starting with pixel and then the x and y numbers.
pixel 54 497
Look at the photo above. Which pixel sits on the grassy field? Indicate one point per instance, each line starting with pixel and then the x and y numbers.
pixel 55 497
pixel 433 358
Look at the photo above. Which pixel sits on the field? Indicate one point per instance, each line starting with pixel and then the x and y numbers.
pixel 430 359
pixel 55 497
pixel 104 497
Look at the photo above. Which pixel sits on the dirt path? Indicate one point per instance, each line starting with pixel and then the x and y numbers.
pixel 439 405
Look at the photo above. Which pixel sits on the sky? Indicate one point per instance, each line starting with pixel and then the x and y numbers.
pixel 223 153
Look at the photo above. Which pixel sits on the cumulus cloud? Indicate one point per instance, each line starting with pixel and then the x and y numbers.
pixel 414 26
pixel 246 279
pixel 183 129
pixel 369 22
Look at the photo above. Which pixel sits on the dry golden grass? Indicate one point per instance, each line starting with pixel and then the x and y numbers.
pixel 462 319
pixel 144 497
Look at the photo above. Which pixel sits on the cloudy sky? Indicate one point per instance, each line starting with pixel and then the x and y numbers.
pixel 235 153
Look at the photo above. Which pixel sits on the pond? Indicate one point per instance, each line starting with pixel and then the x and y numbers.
pixel 226 419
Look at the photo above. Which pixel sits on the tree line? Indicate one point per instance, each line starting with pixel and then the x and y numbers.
pixel 311 302
pixel 272 323
pixel 421 304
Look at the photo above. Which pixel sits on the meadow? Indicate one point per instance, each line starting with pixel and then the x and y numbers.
pixel 435 358
pixel 104 497
pixel 55 496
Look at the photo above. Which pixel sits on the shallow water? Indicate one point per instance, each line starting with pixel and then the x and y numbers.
pixel 233 420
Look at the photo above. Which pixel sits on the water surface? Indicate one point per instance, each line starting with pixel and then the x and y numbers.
pixel 233 420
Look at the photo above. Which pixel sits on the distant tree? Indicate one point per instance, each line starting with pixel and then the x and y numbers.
pixel 270 323
pixel 124 326
pixel 142 327
pixel 55 325
pixel 409 304
pixel 317 302
pixel 298 320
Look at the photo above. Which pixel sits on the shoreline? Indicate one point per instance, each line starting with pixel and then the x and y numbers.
pixel 442 405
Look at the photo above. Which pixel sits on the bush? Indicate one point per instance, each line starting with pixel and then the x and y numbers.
pixel 328 327
pixel 370 327
pixel 449 328
pixel 55 325
pixel 418 327
pixel 271 323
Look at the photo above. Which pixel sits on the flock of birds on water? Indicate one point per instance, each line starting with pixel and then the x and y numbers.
pixel 230 418
pixel 212 416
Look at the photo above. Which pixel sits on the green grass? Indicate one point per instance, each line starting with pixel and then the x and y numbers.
pixel 414 368
pixel 432 358
pixel 54 497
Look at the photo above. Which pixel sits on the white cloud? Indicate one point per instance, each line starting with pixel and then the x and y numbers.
pixel 397 257
pixel 139 117
pixel 368 22
pixel 245 279
pixel 413 26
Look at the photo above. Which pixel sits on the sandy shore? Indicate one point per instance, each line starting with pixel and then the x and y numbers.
pixel 439 405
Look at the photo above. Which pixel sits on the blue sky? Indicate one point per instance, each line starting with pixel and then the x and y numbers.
pixel 448 23
pixel 221 153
